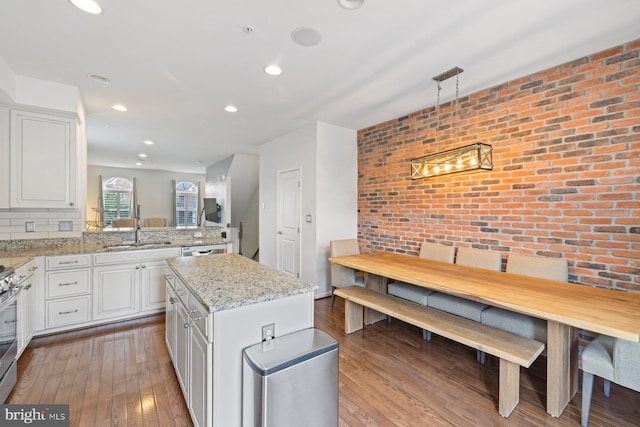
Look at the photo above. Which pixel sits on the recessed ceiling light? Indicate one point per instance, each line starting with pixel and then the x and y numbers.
pixel 304 36
pixel 230 109
pixel 198 162
pixel 142 155
pixel 100 79
pixel 273 70
pixel 148 142
pixel 138 163
pixel 89 6
pixel 350 4
pixel 119 107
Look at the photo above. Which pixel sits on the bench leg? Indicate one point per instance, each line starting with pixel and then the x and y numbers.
pixel 352 316
pixel 509 394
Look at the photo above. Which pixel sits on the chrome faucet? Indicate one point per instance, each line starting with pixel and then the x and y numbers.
pixel 138 231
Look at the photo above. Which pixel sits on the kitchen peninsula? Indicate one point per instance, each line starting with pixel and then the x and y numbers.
pixel 216 306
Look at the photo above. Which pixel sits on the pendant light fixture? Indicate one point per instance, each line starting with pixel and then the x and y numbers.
pixel 463 159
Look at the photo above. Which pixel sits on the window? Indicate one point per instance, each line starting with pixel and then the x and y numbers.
pixel 117 195
pixel 186 204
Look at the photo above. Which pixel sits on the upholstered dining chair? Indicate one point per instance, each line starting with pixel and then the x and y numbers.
pixel 343 276
pixel 418 294
pixel 612 359
pixel 123 223
pixel 155 222
pixel 521 324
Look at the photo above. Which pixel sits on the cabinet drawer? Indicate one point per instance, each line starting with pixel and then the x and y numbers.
pixel 198 316
pixel 181 291
pixel 68 311
pixel 68 283
pixel 68 261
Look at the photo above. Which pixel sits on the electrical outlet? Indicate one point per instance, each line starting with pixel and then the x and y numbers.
pixel 65 226
pixel 30 227
pixel 268 332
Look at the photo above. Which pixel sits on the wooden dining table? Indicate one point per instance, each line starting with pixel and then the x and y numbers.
pixel 567 307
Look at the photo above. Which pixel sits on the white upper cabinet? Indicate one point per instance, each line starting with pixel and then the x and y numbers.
pixel 43 160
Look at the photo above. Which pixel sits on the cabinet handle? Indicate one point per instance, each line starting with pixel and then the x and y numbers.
pixel 171 300
pixel 137 267
pixel 144 266
pixel 68 312
pixel 70 203
pixel 26 288
pixel 68 262
pixel 9 321
pixel 21 277
pixel 186 325
pixel 34 268
pixel 68 283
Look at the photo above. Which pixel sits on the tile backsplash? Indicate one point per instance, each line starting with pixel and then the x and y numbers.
pixel 45 223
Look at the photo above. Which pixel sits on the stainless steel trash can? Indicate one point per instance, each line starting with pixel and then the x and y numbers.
pixel 291 380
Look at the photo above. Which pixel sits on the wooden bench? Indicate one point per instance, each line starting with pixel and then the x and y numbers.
pixel 512 350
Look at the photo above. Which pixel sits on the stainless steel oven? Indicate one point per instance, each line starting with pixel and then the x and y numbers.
pixel 8 331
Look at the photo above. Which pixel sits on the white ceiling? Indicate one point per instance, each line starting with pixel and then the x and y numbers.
pixel 176 64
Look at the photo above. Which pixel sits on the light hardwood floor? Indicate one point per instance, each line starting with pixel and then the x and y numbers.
pixel 121 375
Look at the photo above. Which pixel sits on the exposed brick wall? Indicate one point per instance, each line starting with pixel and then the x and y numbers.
pixel 566 177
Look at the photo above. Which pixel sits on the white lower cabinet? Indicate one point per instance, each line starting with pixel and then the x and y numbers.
pixel 152 279
pixel 182 349
pixel 192 354
pixel 89 289
pixel 170 319
pixel 67 291
pixel 115 290
pixel 30 277
pixel 199 373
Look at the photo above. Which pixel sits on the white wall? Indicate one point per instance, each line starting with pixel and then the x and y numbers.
pixel 233 181
pixel 245 177
pixel 154 188
pixel 327 158
pixel 337 193
pixel 295 150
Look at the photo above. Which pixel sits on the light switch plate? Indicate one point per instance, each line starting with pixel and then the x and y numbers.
pixel 30 227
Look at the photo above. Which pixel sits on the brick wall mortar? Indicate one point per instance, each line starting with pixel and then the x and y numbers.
pixel 566 177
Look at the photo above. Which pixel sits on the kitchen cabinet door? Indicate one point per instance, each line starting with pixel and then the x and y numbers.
pixel 181 361
pixel 170 321
pixel 43 160
pixel 26 306
pixel 153 285
pixel 199 402
pixel 116 290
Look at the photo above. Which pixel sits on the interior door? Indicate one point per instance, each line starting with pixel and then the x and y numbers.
pixel 288 238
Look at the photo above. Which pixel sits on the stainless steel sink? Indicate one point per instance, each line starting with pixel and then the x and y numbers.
pixel 138 245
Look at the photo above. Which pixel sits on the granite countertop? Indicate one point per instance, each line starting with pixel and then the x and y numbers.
pixel 15 258
pixel 225 281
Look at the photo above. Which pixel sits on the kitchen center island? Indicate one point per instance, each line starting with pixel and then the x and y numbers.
pixel 216 306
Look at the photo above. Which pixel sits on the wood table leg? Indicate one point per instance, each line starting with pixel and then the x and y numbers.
pixel 352 316
pixel 378 284
pixel 509 392
pixel 560 378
